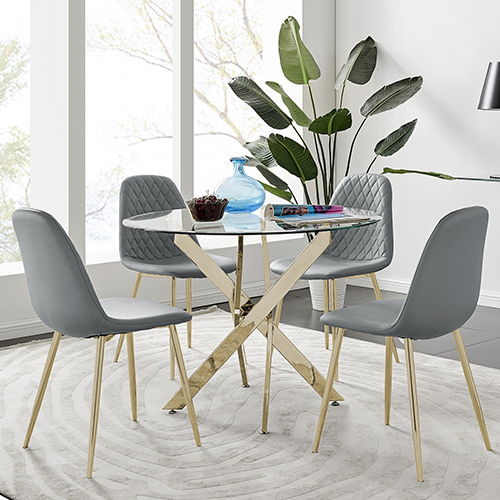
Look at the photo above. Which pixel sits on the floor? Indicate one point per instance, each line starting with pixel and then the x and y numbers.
pixel 481 333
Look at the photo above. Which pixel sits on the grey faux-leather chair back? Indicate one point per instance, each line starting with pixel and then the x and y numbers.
pixel 142 194
pixel 357 252
pixel 447 281
pixel 71 307
pixel 442 297
pixel 151 253
pixel 370 192
pixel 63 297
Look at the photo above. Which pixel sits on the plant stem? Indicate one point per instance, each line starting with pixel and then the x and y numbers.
pixel 312 100
pixel 352 146
pixel 306 194
pixel 321 165
pixel 342 95
pixel 307 147
pixel 332 164
pixel 320 152
pixel 370 166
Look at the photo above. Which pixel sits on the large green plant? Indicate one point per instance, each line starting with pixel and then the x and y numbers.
pixel 295 156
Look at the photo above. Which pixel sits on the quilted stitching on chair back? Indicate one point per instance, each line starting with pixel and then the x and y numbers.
pixel 369 192
pixel 141 194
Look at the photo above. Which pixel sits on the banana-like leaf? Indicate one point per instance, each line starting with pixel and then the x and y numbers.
pixel 334 121
pixel 293 157
pixel 360 64
pixel 250 93
pixel 268 174
pixel 391 96
pixel 297 63
pixel 395 140
pixel 260 149
pixel 446 177
pixel 286 195
pixel 297 114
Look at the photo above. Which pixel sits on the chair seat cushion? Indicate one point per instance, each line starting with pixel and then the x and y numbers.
pixel 177 267
pixel 126 315
pixel 327 267
pixel 377 318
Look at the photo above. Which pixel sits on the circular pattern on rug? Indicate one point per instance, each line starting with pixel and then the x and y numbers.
pixel 156 457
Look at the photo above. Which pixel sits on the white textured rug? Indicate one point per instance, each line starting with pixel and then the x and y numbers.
pixel 156 458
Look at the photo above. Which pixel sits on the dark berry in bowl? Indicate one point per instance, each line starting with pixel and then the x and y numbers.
pixel 207 208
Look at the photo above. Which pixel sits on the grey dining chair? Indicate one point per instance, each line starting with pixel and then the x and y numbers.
pixel 63 297
pixel 359 252
pixel 155 254
pixel 442 297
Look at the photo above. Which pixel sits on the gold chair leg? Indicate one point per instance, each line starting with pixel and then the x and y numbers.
pixel 338 336
pixel 326 396
pixel 326 308
pixel 131 375
pixel 472 387
pixel 185 383
pixel 267 378
pixel 388 379
pixel 121 338
pixel 173 302
pixel 394 350
pixel 334 305
pixel 119 346
pixel 378 295
pixel 49 362
pixel 189 309
pixel 415 420
pixel 96 397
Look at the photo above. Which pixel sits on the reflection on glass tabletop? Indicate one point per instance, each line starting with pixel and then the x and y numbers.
pixel 180 221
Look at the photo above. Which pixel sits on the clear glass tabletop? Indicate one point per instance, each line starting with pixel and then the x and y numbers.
pixel 180 222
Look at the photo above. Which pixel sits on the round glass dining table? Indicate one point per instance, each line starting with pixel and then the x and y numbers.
pixel 247 315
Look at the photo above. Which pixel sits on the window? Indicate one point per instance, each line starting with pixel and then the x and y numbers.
pixel 128 108
pixel 228 43
pixel 14 122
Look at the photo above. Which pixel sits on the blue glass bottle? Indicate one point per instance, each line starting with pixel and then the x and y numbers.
pixel 245 194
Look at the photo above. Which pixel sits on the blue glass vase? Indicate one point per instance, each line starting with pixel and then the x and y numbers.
pixel 245 194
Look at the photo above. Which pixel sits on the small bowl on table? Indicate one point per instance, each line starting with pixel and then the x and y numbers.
pixel 207 210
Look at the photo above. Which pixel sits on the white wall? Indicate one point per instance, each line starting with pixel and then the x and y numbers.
pixel 449 43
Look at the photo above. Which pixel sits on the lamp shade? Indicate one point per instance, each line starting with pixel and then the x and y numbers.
pixel 490 96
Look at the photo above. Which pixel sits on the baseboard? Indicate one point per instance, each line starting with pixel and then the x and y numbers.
pixel 20 329
pixel 33 326
pixel 486 299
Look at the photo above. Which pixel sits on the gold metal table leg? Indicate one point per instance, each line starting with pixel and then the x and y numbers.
pixel 173 302
pixel 267 377
pixel 237 308
pixel 254 318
